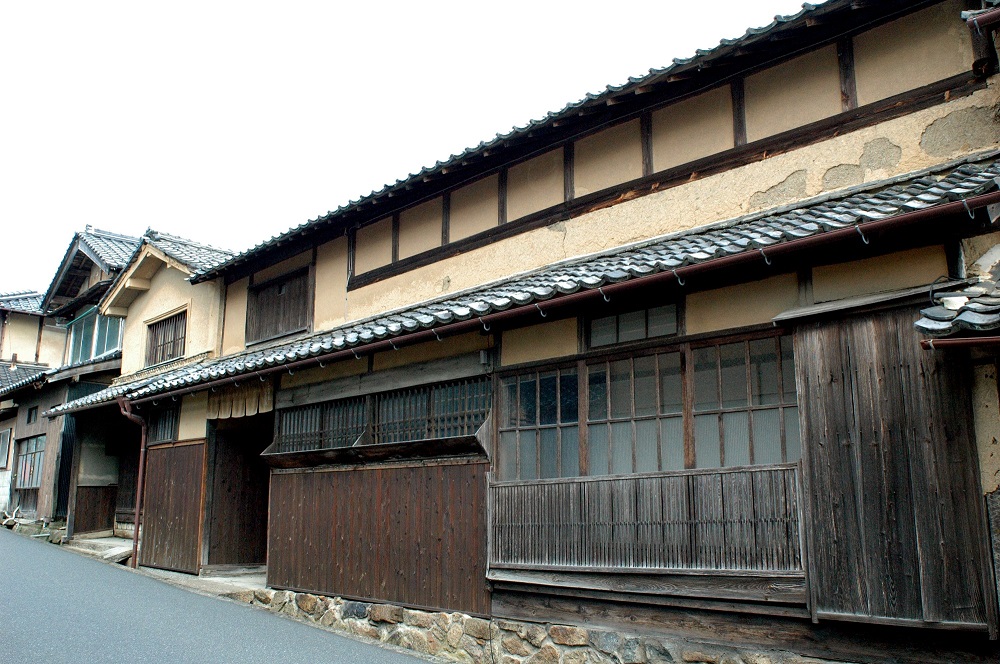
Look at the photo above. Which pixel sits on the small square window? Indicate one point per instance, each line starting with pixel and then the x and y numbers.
pixel 32 415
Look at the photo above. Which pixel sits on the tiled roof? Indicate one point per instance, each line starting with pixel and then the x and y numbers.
pixel 18 373
pixel 970 310
pixel 847 209
pixel 26 301
pixel 199 257
pixel 809 15
pixel 112 248
pixel 47 375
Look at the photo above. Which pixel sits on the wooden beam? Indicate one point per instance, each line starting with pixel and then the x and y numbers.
pixel 134 283
pixel 848 80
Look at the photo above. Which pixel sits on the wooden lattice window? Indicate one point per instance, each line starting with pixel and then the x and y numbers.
pixel 539 431
pixel 28 472
pixel 321 426
pixel 163 425
pixel 165 339
pixel 279 307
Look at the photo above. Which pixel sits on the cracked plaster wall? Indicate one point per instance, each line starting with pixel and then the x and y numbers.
pixel 985 404
pixel 891 148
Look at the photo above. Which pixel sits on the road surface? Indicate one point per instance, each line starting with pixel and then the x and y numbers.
pixel 57 606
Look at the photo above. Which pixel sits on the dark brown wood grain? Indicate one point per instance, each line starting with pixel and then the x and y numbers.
pixel 848 80
pixel 95 508
pixel 172 514
pixel 237 528
pixel 410 535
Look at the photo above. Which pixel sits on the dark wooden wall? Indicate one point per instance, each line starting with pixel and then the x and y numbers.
pixel 896 521
pixel 411 535
pixel 95 508
pixel 172 511
pixel 237 528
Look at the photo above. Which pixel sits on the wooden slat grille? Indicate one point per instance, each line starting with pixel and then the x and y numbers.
pixel 321 426
pixel 743 519
pixel 278 307
pixel 440 411
pixel 165 339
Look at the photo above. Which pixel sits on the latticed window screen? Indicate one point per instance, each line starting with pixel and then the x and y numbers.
pixel 165 339
pixel 163 425
pixel 457 408
pixel 278 307
pixel 28 469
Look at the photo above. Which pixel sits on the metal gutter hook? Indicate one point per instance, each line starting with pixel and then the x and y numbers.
pixel 603 294
pixel 354 350
pixel 861 233
pixel 680 282
pixel 965 203
pixel 540 310
pixel 930 342
pixel 319 362
pixel 393 345
pixel 436 335
pixel 766 259
pixel 290 372
pixel 486 327
pixel 262 378
pixel 975 22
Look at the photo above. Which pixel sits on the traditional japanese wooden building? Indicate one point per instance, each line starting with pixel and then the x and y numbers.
pixel 650 362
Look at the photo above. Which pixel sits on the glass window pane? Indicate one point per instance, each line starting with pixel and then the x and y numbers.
pixel 621 448
pixel 706 441
pixel 632 326
pixel 621 388
pixel 645 447
pixel 597 444
pixel 603 331
pixel 706 386
pixel 102 336
pixel 787 369
pixel 527 413
pixel 528 455
pixel 569 448
pixel 736 429
pixel 507 467
pixel 86 339
pixel 766 437
pixel 732 359
pixel 645 386
pixel 793 440
pixel 764 372
pixel 547 398
pixel 568 396
pixel 672 443
pixel 671 390
pixel 662 321
pixel 508 403
pixel 114 333
pixel 598 392
pixel 548 453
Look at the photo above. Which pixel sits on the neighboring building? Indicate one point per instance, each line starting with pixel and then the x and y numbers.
pixel 10 373
pixel 26 334
pixel 649 363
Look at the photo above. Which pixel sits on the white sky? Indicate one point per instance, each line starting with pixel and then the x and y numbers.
pixel 229 122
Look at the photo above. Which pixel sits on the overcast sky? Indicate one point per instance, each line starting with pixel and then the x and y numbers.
pixel 229 122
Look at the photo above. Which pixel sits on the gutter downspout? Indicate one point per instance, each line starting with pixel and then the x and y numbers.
pixel 126 408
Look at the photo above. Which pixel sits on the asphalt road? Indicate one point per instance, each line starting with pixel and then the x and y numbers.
pixel 57 606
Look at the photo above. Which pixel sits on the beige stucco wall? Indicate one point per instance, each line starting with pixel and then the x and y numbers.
pixel 170 293
pixel 693 128
pixel 194 416
pixel 234 323
pixel 420 228
pixel 918 140
pixel 535 184
pixel 432 350
pixel 792 94
pixel 474 208
pixel 985 403
pixel 284 267
pixel 904 269
pixel 53 348
pixel 373 246
pixel 607 158
pixel 540 342
pixel 918 49
pixel 745 304
pixel 21 337
pixel 330 307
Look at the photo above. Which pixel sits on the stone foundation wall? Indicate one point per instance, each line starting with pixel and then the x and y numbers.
pixel 461 638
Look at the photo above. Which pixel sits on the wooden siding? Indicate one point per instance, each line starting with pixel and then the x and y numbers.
pixel 891 473
pixel 413 535
pixel 95 508
pixel 734 520
pixel 171 521
pixel 237 529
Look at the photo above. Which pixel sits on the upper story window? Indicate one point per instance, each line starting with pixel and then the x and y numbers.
pixel 633 326
pixel 93 335
pixel 691 406
pixel 32 415
pixel 163 425
pixel 4 447
pixel 165 339
pixel 279 306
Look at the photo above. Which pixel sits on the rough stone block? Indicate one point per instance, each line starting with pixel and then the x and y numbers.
pixel 507 659
pixel 471 646
pixel 330 618
pixel 535 634
pixel 363 628
pixel 245 596
pixel 605 641
pixel 547 654
pixel 515 645
pixel 306 602
pixel 477 628
pixel 263 596
pixel 632 651
pixel 659 652
pixel 420 619
pixel 512 626
pixel 387 613
pixel 279 599
pixel 357 610
pixel 455 634
pixel 699 656
pixel 567 635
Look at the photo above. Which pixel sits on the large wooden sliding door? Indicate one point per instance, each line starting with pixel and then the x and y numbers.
pixel 895 513
pixel 172 510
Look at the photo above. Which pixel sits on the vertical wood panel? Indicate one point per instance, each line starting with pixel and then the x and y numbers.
pixel 95 508
pixel 172 511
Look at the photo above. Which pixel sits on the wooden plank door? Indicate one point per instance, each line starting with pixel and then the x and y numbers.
pixel 172 507
pixel 894 514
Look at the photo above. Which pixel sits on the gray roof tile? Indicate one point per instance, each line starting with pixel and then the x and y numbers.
pixel 199 257
pixel 112 248
pixel 26 302
pixel 660 254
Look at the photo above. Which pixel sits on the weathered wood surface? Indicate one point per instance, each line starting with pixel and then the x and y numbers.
pixel 95 508
pixel 897 527
pixel 237 528
pixel 744 520
pixel 172 513
pixel 411 535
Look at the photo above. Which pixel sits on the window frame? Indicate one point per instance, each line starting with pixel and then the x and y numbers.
pixel 95 320
pixel 32 415
pixel 254 291
pixel 6 438
pixel 153 354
